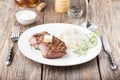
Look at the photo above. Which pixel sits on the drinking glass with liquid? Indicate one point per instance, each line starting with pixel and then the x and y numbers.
pixel 75 10
pixel 27 3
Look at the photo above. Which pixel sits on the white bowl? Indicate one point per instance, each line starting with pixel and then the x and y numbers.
pixel 26 17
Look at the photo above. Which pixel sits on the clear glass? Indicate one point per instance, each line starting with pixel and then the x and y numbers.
pixel 76 9
pixel 27 3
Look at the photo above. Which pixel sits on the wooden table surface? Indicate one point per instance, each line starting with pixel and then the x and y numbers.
pixel 104 13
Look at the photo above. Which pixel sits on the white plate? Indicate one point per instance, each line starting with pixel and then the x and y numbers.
pixel 69 59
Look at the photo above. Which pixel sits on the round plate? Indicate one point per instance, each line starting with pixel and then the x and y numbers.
pixel 69 59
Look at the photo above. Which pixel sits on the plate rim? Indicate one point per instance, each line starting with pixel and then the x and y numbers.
pixel 56 64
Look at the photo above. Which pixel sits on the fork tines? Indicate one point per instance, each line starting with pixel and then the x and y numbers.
pixel 15 31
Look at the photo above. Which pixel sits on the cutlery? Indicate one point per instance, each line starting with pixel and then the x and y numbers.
pixel 107 50
pixel 88 24
pixel 14 38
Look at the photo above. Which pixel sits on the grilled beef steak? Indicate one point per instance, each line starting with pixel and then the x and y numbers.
pixel 54 49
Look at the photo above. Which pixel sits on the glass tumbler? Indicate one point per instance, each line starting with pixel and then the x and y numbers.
pixel 27 3
pixel 76 8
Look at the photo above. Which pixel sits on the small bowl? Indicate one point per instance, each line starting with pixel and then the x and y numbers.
pixel 26 17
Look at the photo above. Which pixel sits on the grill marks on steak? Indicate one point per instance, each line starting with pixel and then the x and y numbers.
pixel 54 49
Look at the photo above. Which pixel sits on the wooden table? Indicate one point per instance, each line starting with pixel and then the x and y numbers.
pixel 104 13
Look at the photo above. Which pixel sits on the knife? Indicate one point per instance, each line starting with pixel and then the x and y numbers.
pixel 107 50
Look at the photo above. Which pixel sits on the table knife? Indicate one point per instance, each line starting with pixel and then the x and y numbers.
pixel 107 50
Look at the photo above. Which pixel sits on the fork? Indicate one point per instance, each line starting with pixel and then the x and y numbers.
pixel 14 39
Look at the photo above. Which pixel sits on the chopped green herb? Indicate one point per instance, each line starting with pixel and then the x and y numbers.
pixel 91 42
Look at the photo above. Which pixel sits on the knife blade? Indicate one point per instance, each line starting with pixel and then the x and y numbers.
pixel 107 50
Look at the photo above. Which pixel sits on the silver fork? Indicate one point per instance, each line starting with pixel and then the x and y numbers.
pixel 14 38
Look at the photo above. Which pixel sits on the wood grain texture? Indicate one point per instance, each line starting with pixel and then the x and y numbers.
pixel 22 68
pixel 104 13
pixel 68 73
pixel 78 72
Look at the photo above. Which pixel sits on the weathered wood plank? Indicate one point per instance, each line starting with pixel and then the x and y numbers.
pixel 22 68
pixel 79 72
pixel 106 14
pixel 50 16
